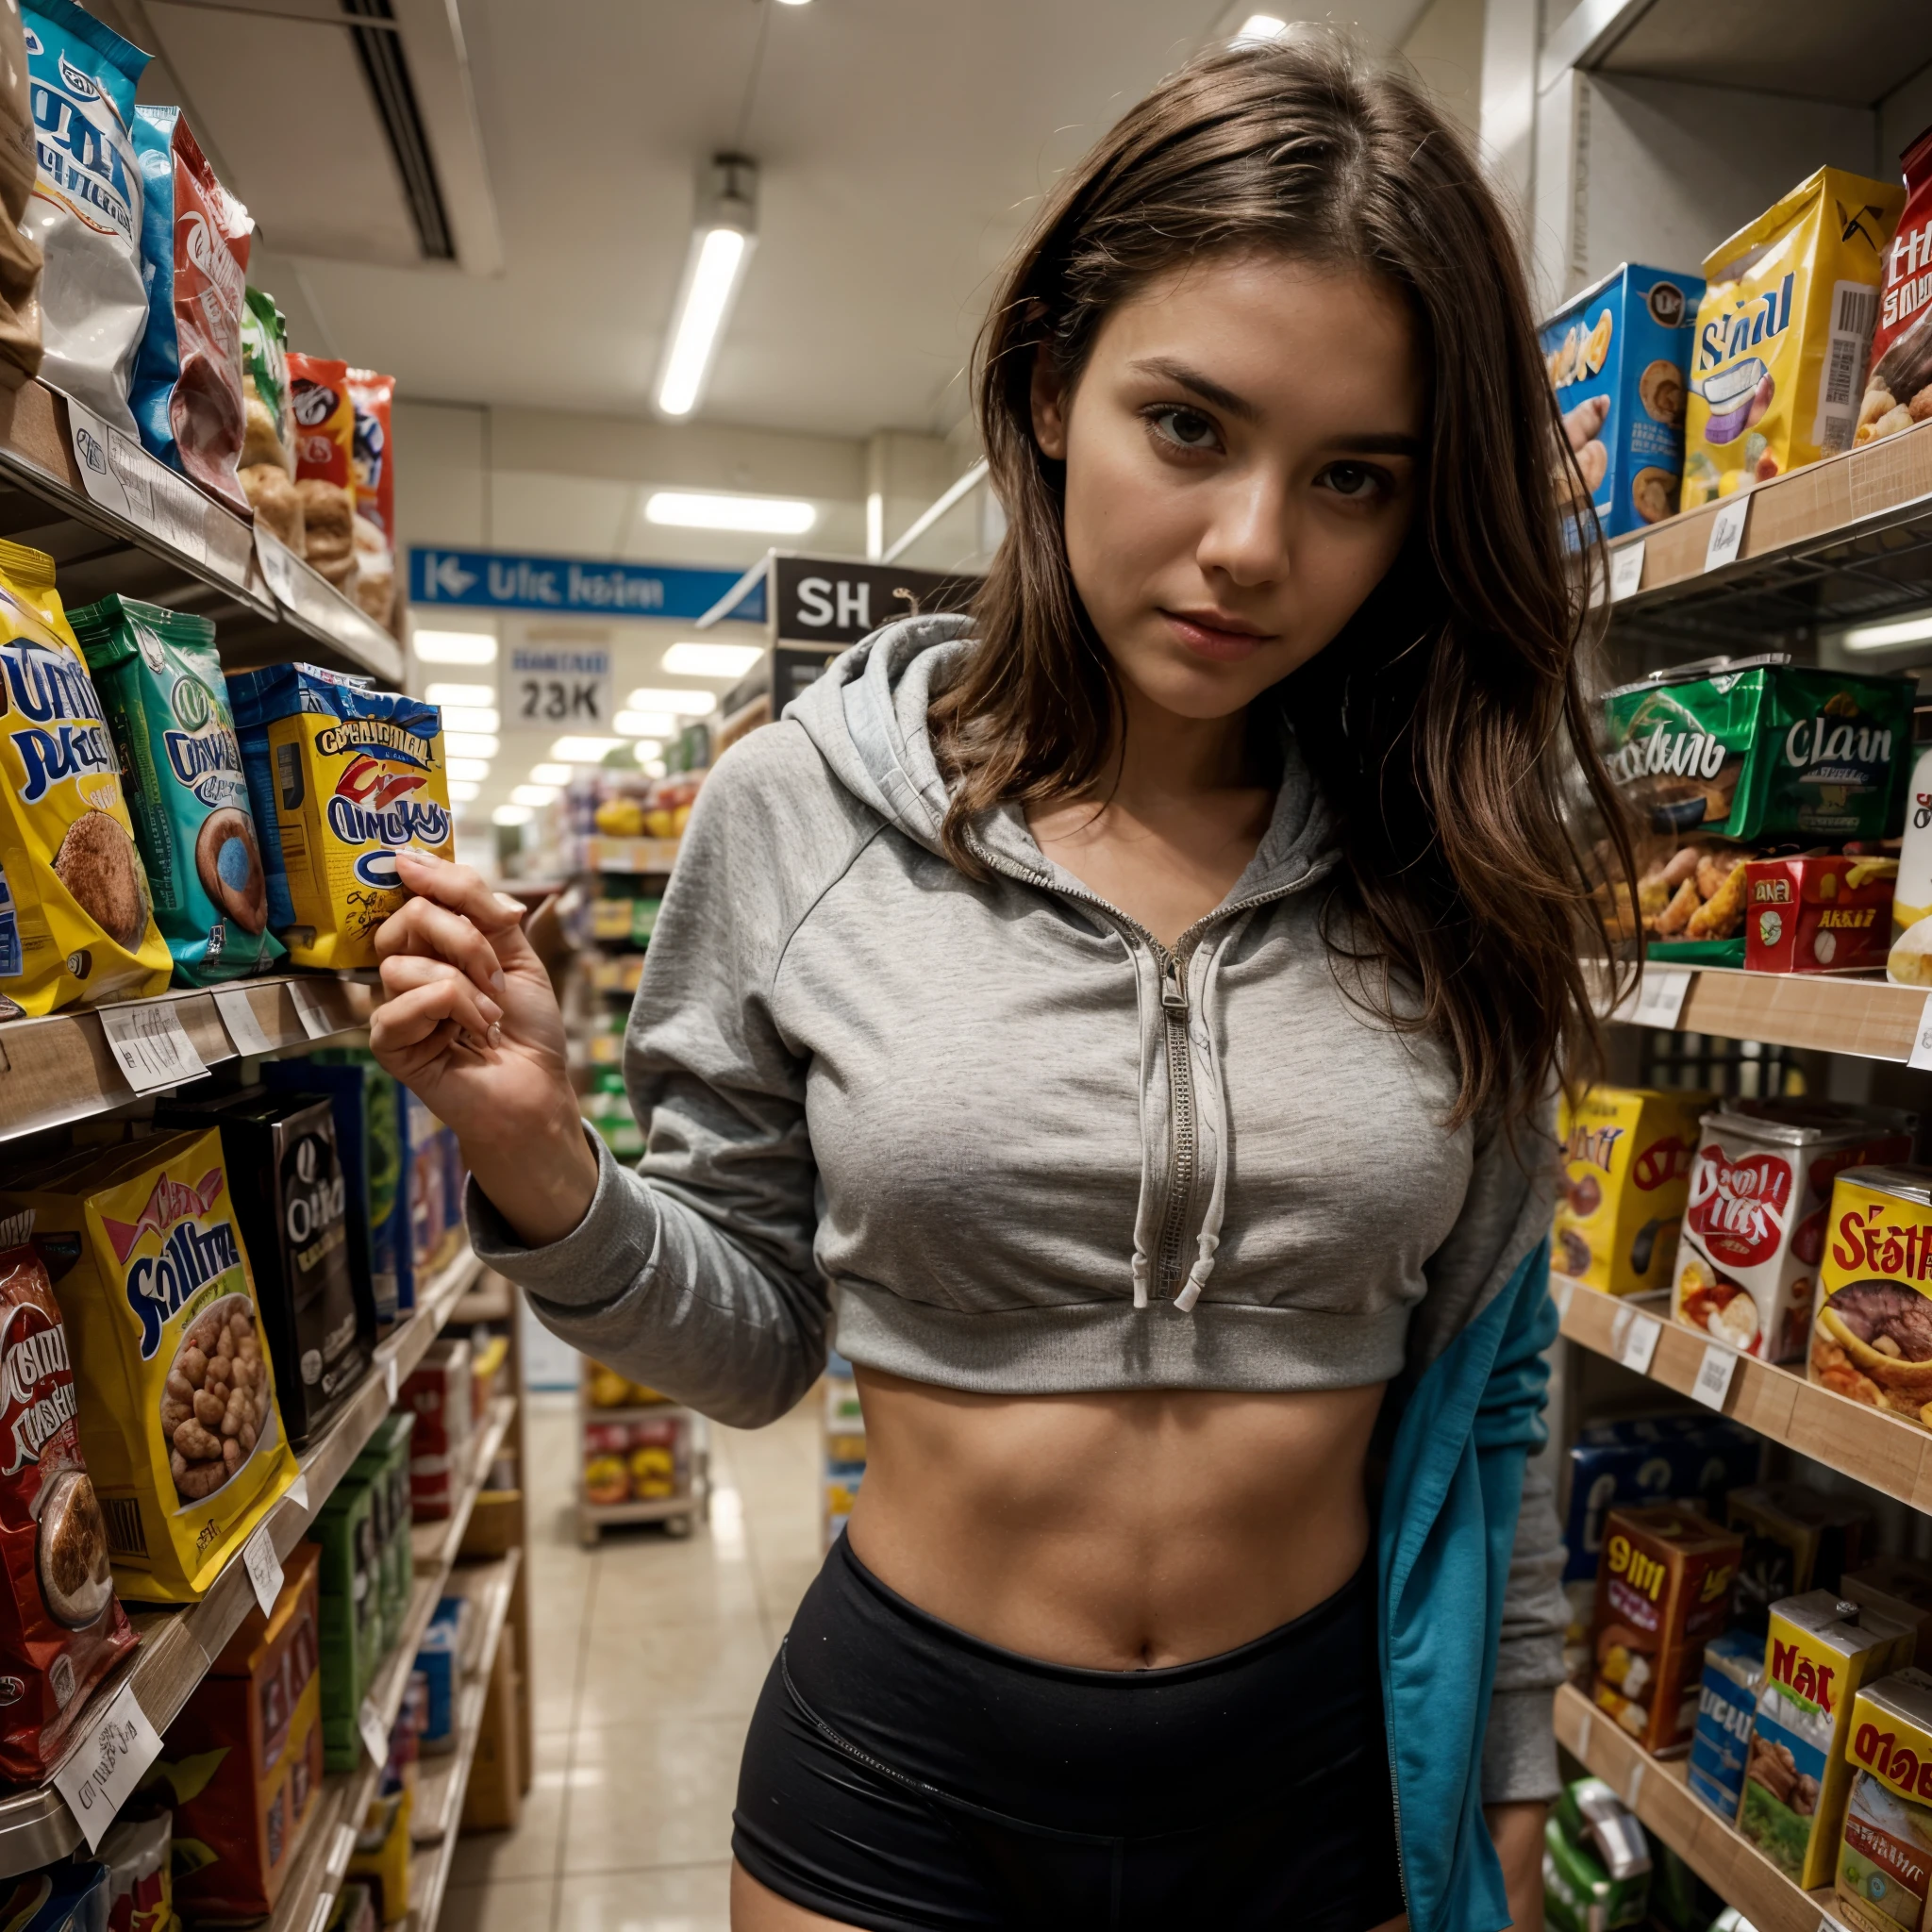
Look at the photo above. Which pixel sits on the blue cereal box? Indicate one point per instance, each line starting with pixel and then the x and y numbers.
pixel 1733 1675
pixel 1617 355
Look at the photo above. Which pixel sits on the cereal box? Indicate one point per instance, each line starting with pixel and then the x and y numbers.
pixel 1754 1227
pixel 1783 332
pixel 1872 1336
pixel 1618 356
pixel 178 1418
pixel 1795 1539
pixel 1663 1590
pixel 1820 1651
pixel 1898 392
pixel 1885 1858
pixel 1898 1587
pixel 76 919
pixel 1821 914
pixel 1625 1173
pixel 1733 1675
pixel 341 776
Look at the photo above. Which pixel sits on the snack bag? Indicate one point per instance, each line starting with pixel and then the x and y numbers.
pixel 375 492
pixel 1898 392
pixel 167 704
pixel 1820 913
pixel 20 256
pixel 341 777
pixel 1626 1173
pixel 61 1630
pixel 326 463
pixel 178 1412
pixel 86 211
pixel 270 436
pixel 1871 1338
pixel 75 920
pixel 137 1853
pixel 1909 961
pixel 1783 332
pixel 1885 1858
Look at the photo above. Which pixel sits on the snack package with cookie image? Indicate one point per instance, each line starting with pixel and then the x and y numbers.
pixel 1898 391
pixel 61 1629
pixel 76 920
pixel 1626 1175
pixel 341 776
pixel 179 1417
pixel 326 464
pixel 1871 1338
pixel 167 704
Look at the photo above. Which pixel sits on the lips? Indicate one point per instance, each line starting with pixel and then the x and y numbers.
pixel 1205 638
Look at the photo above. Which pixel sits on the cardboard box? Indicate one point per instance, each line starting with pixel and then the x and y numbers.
pixel 1818 914
pixel 1883 1870
pixel 1626 1176
pixel 494 1800
pixel 1726 1700
pixel 439 1395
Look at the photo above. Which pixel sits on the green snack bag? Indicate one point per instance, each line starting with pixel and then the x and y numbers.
pixel 270 437
pixel 1579 1895
pixel 167 704
pixel 1761 747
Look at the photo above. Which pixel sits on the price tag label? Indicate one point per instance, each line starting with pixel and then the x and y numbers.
pixel 1633 1786
pixel 1561 1294
pixel 96 1776
pixel 375 1733
pixel 341 1850
pixel 390 1379
pixel 151 1045
pixel 298 1490
pixel 1921 1056
pixel 1626 571
pixel 278 566
pixel 1638 1345
pixel 1727 531
pixel 264 1569
pixel 1660 997
pixel 317 1022
pixel 238 1015
pixel 1714 1374
pixel 324 1906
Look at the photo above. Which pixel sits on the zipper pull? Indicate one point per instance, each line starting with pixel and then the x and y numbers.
pixel 1174 992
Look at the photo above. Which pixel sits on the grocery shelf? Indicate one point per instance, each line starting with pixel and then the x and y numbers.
pixel 441 1779
pixel 1868 1018
pixel 178 1645
pixel 490 1301
pixel 438 1541
pixel 59 1069
pixel 1773 1399
pixel 1656 1790
pixel 629 855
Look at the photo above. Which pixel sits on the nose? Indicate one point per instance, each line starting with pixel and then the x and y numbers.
pixel 1247 537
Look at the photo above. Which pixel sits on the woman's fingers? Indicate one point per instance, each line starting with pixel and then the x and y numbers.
pixel 407 970
pixel 423 928
pixel 409 1018
pixel 461 888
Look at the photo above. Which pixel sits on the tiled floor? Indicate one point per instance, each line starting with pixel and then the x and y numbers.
pixel 648 1655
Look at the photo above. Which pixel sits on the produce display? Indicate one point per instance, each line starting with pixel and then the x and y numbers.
pixel 1627 1157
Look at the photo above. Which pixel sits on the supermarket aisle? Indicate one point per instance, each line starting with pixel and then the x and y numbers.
pixel 648 1657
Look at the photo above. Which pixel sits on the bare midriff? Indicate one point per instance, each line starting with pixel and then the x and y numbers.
pixel 1118 1531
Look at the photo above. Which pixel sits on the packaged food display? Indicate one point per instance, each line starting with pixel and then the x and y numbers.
pixel 1617 355
pixel 1821 914
pixel 341 776
pixel 1885 1856
pixel 161 682
pixel 1626 1176
pixel 1909 961
pixel 372 396
pixel 383 1464
pixel 61 1630
pixel 177 1412
pixel 1596 1861
pixel 267 403
pixel 349 1581
pixel 195 239
pixel 243 1764
pixel 437 1394
pixel 1818 1655
pixel 1783 333
pixel 636 1461
pixel 20 256
pixel 326 464
pixel 1663 1591
pixel 432 1214
pixel 1897 1587
pixel 354 1910
pixel 139 1854
pixel 1726 1698
pixel 1872 1336
pixel 1753 1230
pixel 439 1658
pixel 1898 391
pixel 62 1898
pixel 86 210
pixel 1795 1540
pixel 381 1857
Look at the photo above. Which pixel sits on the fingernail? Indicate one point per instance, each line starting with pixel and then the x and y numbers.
pixel 497 980
pixel 488 1008
pixel 511 905
pixel 496 1034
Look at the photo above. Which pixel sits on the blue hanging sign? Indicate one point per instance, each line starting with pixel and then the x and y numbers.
pixel 571 586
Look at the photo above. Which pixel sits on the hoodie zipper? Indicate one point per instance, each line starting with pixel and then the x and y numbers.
pixel 1180 1102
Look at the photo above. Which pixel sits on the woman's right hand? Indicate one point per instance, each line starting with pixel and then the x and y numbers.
pixel 469 1023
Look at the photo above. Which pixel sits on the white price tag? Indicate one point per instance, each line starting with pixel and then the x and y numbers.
pixel 98 1773
pixel 390 1379
pixel 1638 1345
pixel 324 1906
pixel 1560 1293
pixel 1583 1740
pixel 278 566
pixel 341 1850
pixel 316 1020
pixel 1633 1786
pixel 264 1569
pixel 238 1015
pixel 1660 997
pixel 298 1490
pixel 1626 571
pixel 374 1738
pixel 1714 1374
pixel 1727 531
pixel 151 1044
pixel 1921 1056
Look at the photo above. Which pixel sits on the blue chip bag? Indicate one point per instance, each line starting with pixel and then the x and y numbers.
pixel 167 707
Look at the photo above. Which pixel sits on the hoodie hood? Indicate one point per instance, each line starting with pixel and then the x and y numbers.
pixel 867 717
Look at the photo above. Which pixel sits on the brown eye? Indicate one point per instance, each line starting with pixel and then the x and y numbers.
pixel 1357 482
pixel 1185 428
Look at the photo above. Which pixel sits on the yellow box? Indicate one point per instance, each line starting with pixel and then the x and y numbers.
pixel 1885 1852
pixel 1625 1179
pixel 1871 1323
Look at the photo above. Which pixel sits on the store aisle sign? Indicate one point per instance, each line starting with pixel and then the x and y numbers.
pixel 556 685
pixel 571 586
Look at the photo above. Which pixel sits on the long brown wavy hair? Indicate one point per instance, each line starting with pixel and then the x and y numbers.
pixel 1447 723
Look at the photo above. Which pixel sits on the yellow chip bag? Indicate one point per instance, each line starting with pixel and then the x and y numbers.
pixel 76 919
pixel 178 1420
pixel 1778 360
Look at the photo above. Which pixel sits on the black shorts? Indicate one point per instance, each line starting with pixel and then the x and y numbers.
pixel 900 1776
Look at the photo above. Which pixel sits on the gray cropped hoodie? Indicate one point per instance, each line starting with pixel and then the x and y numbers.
pixel 993 1136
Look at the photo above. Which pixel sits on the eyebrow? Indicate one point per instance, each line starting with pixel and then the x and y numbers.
pixel 1392 443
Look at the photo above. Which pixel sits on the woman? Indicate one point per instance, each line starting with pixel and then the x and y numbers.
pixel 1131 1008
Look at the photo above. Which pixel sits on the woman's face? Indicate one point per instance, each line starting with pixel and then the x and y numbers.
pixel 1243 456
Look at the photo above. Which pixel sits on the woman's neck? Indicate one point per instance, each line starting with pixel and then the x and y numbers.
pixel 1160 762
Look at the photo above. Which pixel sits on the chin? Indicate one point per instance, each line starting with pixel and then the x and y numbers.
pixel 1190 687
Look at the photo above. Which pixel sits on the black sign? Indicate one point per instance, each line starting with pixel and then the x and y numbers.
pixel 823 600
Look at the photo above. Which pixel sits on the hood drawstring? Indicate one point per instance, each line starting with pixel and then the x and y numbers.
pixel 1211 1123
pixel 1143 1208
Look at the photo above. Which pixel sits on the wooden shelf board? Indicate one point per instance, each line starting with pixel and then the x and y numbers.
pixel 1868 1018
pixel 438 1540
pixel 439 1803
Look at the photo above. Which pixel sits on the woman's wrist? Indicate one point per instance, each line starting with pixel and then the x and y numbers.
pixel 542 1184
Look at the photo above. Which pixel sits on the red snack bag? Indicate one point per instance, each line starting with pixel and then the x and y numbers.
pixel 61 1628
pixel 1898 391
pixel 1819 914
pixel 324 463
pixel 375 492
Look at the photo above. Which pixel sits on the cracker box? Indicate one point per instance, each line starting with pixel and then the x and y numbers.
pixel 340 777
pixel 1663 1590
pixel 437 1394
pixel 1727 1697
pixel 1752 1233
pixel 1871 1338
pixel 1885 1856
pixel 350 1615
pixel 1619 356
pixel 1783 333
pixel 1818 914
pixel 1897 1587
pixel 178 1418
pixel 1626 1175
pixel 1819 1652
pixel 1795 1540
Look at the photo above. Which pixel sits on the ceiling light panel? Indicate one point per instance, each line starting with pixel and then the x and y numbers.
pixel 720 244
pixel 1888 636
pixel 512 815
pixel 454 648
pixel 470 718
pixel 682 704
pixel 767 516
pixel 692 660
pixel 471 744
pixel 550 775
pixel 470 771
pixel 1259 28
pixel 645 724
pixel 584 751
pixel 461 694
pixel 533 794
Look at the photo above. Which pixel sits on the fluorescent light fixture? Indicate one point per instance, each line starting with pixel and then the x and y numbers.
pixel 680 704
pixel 1257 29
pixel 550 775
pixel 511 815
pixel 712 661
pixel 464 790
pixel 720 244
pixel 471 744
pixel 470 718
pixel 533 794
pixel 645 724
pixel 1882 636
pixel 794 3
pixel 584 751
pixel 454 648
pixel 645 749
pixel 769 516
pixel 470 771
pixel 461 694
